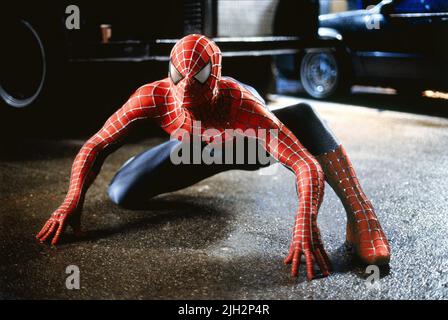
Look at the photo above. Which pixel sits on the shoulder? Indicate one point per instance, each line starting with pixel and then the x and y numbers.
pixel 239 93
pixel 247 107
pixel 157 93
pixel 148 100
pixel 152 95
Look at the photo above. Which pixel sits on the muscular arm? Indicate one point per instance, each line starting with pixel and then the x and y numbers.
pixel 281 143
pixel 86 166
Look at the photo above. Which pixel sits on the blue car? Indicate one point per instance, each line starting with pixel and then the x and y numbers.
pixel 398 43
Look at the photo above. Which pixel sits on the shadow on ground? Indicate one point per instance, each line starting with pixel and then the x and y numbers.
pixel 207 241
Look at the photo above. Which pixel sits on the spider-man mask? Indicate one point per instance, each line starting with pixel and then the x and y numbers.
pixel 195 69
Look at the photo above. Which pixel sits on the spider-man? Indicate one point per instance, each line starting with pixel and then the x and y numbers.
pixel 196 91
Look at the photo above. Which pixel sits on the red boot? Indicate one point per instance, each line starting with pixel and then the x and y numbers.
pixel 364 231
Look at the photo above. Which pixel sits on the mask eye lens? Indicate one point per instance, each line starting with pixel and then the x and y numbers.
pixel 175 75
pixel 203 75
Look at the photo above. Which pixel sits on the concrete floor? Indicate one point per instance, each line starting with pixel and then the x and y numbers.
pixel 226 237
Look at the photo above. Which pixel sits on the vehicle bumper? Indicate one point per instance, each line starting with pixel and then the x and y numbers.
pixel 159 50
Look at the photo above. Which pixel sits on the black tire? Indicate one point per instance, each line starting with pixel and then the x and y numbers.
pixel 23 64
pixel 33 41
pixel 323 74
pixel 33 51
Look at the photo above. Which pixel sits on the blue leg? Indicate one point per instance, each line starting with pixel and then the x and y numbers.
pixel 152 172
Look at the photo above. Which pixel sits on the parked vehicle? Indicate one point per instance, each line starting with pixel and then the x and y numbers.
pixel 39 38
pixel 397 43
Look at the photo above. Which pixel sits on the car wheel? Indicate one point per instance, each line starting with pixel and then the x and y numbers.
pixel 320 74
pixel 23 65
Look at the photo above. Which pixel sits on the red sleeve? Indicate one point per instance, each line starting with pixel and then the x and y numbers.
pixel 250 115
pixel 140 106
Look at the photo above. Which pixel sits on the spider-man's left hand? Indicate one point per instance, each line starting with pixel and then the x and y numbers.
pixel 306 241
pixel 57 223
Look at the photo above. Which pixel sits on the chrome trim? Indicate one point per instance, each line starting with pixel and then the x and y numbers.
pixel 330 33
pixel 239 39
pixel 418 15
pixel 381 54
pixel 257 53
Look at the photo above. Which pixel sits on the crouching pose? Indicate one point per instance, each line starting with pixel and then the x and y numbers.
pixel 195 98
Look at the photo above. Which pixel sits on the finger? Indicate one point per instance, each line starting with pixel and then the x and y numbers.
pixel 47 229
pixel 321 262
pixel 309 265
pixel 49 232
pixel 43 230
pixel 296 262
pixel 58 233
pixel 288 259
pixel 326 259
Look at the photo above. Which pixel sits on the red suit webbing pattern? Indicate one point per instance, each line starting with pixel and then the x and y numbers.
pixel 249 113
pixel 174 103
pixel 364 231
pixel 140 106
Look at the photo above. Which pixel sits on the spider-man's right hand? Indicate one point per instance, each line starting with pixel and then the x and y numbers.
pixel 306 240
pixel 57 223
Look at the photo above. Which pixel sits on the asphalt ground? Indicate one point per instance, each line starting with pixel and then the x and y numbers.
pixel 226 237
